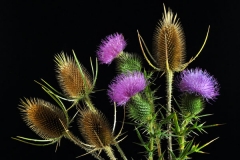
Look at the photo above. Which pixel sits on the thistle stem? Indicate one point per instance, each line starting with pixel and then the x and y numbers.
pixel 169 77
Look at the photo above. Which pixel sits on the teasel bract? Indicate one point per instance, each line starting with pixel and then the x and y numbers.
pixel 45 119
pixel 73 78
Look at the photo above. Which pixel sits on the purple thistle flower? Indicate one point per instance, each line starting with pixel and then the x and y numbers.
pixel 199 82
pixel 124 86
pixel 110 48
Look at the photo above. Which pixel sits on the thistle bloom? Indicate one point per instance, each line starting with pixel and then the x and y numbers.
pixel 125 86
pixel 110 48
pixel 198 82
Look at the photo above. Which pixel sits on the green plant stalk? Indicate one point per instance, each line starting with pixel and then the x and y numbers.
pixel 120 151
pixel 169 78
pixel 151 141
pixel 88 102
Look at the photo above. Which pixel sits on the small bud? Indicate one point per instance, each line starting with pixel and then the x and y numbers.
pixel 139 109
pixel 191 104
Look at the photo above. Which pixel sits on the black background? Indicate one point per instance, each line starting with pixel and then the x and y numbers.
pixel 31 33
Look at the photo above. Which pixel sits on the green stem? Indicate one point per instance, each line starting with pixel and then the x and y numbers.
pixel 151 140
pixel 120 151
pixel 89 103
pixel 169 77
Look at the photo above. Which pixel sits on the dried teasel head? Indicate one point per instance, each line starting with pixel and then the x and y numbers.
pixel 72 76
pixel 95 129
pixel 169 43
pixel 43 118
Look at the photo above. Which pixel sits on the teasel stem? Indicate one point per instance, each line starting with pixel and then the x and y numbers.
pixel 109 152
pixel 169 77
pixel 89 103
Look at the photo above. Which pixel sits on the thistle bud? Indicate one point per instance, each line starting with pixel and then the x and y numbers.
pixel 191 104
pixel 139 109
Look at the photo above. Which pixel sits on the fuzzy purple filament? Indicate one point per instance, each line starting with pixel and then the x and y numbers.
pixel 198 82
pixel 124 86
pixel 110 48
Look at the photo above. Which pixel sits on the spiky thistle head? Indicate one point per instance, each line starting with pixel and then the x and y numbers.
pixel 199 82
pixel 73 78
pixel 124 86
pixel 191 104
pixel 128 62
pixel 169 43
pixel 110 48
pixel 43 118
pixel 95 128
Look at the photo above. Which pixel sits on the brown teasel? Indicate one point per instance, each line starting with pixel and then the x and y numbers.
pixel 75 82
pixel 169 43
pixel 43 118
pixel 95 129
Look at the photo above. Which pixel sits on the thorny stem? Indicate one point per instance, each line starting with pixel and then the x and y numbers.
pixel 169 76
pixel 109 152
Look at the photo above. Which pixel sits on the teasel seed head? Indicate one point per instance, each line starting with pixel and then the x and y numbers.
pixel 74 80
pixel 95 128
pixel 43 118
pixel 169 43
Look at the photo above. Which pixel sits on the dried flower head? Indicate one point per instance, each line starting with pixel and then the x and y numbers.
pixel 95 128
pixel 44 118
pixel 169 43
pixel 74 80
pixel 198 82
pixel 124 86
pixel 110 48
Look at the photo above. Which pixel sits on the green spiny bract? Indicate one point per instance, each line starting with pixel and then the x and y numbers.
pixel 139 109
pixel 127 62
pixel 191 104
